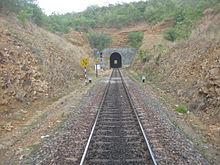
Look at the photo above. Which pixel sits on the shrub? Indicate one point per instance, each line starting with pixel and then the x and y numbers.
pixel 217 9
pixel 135 39
pixel 37 15
pixel 170 34
pixel 82 23
pixel 145 55
pixel 99 40
pixel 23 16
pixel 180 109
pixel 157 60
pixel 58 28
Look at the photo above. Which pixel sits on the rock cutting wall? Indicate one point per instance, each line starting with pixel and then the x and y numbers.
pixel 36 64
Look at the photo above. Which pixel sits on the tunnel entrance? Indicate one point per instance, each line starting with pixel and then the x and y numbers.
pixel 115 60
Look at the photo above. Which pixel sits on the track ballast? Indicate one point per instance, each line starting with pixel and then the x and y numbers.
pixel 117 136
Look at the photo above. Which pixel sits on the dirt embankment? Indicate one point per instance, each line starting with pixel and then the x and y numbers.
pixel 190 69
pixel 187 73
pixel 36 65
pixel 152 34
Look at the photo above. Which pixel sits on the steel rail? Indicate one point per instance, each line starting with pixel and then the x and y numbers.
pixel 139 122
pixel 96 119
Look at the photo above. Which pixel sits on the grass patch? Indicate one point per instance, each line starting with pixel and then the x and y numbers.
pixel 217 9
pixel 34 148
pixel 56 98
pixel 144 55
pixel 181 109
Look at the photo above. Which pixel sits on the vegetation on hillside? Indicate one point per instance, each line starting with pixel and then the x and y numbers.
pixel 99 40
pixel 183 14
pixel 135 39
pixel 26 10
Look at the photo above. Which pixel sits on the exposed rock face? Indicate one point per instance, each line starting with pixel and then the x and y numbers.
pixel 20 78
pixel 210 86
pixel 77 38
pixel 190 70
pixel 196 70
pixel 35 64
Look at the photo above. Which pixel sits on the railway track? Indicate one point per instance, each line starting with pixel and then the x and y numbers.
pixel 117 136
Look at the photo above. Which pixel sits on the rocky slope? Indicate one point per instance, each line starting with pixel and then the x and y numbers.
pixel 189 69
pixel 36 64
pixel 186 73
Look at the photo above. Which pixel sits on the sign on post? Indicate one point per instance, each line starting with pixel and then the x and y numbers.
pixel 97 67
pixel 96 64
pixel 96 61
pixel 84 62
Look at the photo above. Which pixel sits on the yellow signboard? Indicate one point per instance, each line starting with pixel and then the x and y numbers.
pixel 84 62
pixel 96 61
pixel 107 58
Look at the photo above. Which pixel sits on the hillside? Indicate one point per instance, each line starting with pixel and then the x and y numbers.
pixel 188 69
pixel 152 34
pixel 36 64
pixel 39 72
pixel 187 73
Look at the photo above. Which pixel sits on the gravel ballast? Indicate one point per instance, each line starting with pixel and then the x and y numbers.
pixel 67 144
pixel 170 145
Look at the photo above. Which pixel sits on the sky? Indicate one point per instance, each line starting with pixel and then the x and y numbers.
pixel 65 6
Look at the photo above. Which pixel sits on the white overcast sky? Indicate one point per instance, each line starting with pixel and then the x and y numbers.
pixel 65 6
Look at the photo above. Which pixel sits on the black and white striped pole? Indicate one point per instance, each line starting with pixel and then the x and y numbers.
pixel 84 62
pixel 85 74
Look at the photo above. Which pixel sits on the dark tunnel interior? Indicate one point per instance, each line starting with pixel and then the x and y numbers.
pixel 115 60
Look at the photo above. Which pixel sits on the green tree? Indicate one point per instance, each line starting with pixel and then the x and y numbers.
pixel 16 5
pixel 38 16
pixel 99 40
pixel 135 39
pixel 58 23
pixel 170 34
pixel 91 12
pixel 83 23
pixel 23 16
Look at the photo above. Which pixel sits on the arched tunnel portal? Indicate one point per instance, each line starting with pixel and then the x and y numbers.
pixel 115 60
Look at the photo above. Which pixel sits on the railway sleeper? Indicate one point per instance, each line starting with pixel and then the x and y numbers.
pixel 119 122
pixel 114 132
pixel 117 139
pixel 118 162
pixel 111 127
pixel 116 155
pixel 110 146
